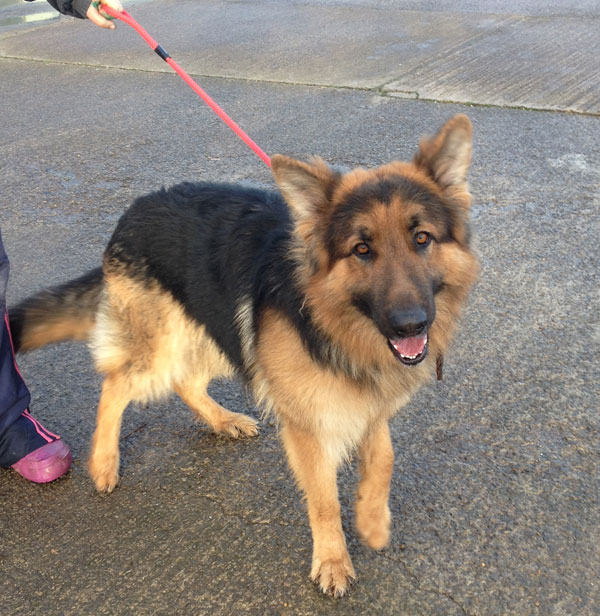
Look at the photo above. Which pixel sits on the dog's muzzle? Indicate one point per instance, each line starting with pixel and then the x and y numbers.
pixel 410 341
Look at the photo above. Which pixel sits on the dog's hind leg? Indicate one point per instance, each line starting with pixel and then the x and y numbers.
pixel 103 463
pixel 372 510
pixel 316 474
pixel 194 394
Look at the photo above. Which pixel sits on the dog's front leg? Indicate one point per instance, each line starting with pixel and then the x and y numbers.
pixel 376 465
pixel 316 474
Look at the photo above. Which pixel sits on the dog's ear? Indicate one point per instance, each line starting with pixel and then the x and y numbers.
pixel 307 188
pixel 447 156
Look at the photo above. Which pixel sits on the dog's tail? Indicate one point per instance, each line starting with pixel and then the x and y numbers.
pixel 66 312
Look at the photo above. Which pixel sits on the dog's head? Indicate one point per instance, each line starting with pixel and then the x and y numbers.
pixel 387 256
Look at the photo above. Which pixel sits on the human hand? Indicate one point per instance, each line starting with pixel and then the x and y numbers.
pixel 96 15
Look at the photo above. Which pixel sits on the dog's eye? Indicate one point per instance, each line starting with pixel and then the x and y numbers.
pixel 422 239
pixel 362 250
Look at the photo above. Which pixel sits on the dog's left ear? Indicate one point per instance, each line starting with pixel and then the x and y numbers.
pixel 307 188
pixel 447 156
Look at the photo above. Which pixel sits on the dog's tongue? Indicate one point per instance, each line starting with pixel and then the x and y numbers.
pixel 410 347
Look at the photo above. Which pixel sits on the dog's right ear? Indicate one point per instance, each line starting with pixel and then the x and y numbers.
pixel 307 188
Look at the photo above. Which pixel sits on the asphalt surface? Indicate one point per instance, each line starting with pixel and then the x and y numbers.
pixel 495 496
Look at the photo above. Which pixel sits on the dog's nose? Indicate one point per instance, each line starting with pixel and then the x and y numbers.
pixel 408 323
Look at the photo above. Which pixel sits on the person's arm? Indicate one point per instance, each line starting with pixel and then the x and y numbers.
pixel 74 8
pixel 84 9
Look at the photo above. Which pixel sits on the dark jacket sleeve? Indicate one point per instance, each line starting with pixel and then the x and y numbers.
pixel 75 8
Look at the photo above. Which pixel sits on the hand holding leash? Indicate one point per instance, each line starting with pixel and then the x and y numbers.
pixel 97 15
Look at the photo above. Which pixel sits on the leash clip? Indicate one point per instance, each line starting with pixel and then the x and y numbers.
pixel 439 366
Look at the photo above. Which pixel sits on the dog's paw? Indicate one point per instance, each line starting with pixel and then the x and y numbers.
pixel 237 425
pixel 373 525
pixel 333 576
pixel 105 474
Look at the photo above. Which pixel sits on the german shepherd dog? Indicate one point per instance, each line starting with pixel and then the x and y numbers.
pixel 332 298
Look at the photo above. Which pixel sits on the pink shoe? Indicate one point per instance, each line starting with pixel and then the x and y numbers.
pixel 47 463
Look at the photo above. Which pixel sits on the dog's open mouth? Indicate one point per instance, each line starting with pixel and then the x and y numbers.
pixel 409 351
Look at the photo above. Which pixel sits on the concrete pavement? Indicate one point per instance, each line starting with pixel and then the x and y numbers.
pixel 532 60
pixel 496 485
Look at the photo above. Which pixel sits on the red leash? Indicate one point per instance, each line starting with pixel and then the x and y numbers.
pixel 130 21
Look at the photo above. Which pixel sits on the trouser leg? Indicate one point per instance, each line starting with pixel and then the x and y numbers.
pixel 14 395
